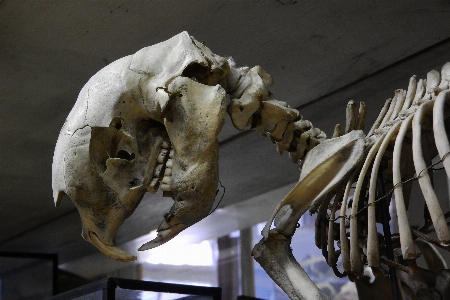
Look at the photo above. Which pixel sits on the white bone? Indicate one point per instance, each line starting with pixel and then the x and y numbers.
pixel 335 159
pixel 437 216
pixel 167 172
pixel 420 90
pixel 433 81
pixel 274 255
pixel 345 249
pixel 274 111
pixel 351 117
pixel 361 116
pixel 389 113
pixel 249 91
pixel 286 140
pixel 440 134
pixel 337 131
pixel 355 253
pixel 198 111
pixel 400 96
pixel 108 149
pixel 165 144
pixel 332 259
pixel 410 93
pixel 169 163
pixel 380 117
pixel 330 161
pixel 406 240
pixel 373 253
pixel 445 77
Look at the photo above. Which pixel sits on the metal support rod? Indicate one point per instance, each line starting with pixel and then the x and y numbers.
pixel 387 237
pixel 247 271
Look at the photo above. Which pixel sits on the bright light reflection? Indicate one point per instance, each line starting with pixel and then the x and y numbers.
pixel 182 254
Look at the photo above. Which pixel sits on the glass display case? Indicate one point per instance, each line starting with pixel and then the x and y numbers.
pixel 27 275
pixel 127 289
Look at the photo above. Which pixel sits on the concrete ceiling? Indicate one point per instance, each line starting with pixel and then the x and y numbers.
pixel 320 54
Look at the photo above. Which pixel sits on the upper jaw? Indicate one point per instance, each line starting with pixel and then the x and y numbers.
pixel 110 250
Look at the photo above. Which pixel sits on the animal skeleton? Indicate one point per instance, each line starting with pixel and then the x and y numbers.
pixel 152 119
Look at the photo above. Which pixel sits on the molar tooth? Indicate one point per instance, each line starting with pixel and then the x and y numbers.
pixel 166 180
pixel 161 156
pixel 165 144
pixel 171 153
pixel 158 169
pixel 153 186
pixel 169 163
pixel 165 187
pixel 168 172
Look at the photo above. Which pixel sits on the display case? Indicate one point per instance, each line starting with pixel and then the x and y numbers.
pixel 127 289
pixel 27 275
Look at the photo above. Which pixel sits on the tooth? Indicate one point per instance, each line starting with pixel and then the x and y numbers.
pixel 171 153
pixel 153 186
pixel 166 180
pixel 111 251
pixel 168 172
pixel 162 156
pixel 158 169
pixel 163 237
pixel 169 163
pixel 165 144
pixel 165 187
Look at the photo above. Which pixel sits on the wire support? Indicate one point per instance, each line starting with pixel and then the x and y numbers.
pixel 393 188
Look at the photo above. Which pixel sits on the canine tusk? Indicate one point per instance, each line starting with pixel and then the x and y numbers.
pixel 109 250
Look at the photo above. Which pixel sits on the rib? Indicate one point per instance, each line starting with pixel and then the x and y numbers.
pixel 332 259
pixel 372 239
pixel 440 135
pixel 431 200
pixel 406 240
pixel 345 251
pixel 354 247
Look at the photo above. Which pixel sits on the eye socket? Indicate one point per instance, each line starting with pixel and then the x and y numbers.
pixel 197 71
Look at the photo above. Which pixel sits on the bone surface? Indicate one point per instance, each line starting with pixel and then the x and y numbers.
pixel 115 144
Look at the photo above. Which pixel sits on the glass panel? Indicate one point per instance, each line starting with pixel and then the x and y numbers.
pixel 92 296
pixel 192 264
pixel 25 278
pixel 124 294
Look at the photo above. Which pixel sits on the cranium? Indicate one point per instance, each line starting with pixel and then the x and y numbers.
pixel 115 144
